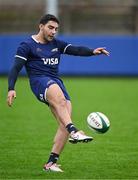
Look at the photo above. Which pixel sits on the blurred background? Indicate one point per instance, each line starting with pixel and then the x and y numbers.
pixel 94 23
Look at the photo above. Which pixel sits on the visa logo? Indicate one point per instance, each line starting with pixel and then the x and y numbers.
pixel 50 61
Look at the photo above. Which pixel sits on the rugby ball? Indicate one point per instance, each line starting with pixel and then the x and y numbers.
pixel 98 122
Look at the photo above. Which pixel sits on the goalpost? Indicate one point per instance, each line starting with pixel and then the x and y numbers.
pixel 51 7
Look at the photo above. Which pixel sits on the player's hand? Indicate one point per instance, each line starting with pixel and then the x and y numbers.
pixel 11 96
pixel 101 50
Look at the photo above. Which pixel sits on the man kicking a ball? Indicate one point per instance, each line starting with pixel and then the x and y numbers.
pixel 40 55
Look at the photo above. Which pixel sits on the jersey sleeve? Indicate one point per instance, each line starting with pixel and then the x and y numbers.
pixel 23 51
pixel 66 48
pixel 13 74
pixel 62 45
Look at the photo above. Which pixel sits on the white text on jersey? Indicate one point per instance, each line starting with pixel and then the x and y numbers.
pixel 50 61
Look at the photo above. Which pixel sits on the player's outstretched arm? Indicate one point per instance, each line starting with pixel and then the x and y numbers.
pixel 10 97
pixel 85 51
pixel 101 50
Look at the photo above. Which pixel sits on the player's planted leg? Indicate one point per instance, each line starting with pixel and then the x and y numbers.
pixel 60 140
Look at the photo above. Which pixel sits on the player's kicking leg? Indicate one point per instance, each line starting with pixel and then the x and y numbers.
pixel 57 101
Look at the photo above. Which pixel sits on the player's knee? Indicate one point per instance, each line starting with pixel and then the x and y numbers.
pixel 61 102
pixel 58 101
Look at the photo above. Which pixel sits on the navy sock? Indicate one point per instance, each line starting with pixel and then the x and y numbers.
pixel 71 128
pixel 53 157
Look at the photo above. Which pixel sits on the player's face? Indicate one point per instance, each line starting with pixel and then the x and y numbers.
pixel 49 30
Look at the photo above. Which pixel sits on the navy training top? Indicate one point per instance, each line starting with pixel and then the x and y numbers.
pixel 41 59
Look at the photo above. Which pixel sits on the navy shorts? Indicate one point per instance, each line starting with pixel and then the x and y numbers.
pixel 40 84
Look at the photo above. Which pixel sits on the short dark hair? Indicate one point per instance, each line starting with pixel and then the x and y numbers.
pixel 48 17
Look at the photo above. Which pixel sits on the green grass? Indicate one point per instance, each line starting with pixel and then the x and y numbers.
pixel 27 130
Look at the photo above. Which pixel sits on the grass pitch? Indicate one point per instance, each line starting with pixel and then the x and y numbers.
pixel 27 130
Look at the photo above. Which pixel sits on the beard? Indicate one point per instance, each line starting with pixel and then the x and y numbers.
pixel 48 38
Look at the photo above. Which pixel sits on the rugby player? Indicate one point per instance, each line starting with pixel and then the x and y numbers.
pixel 40 54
